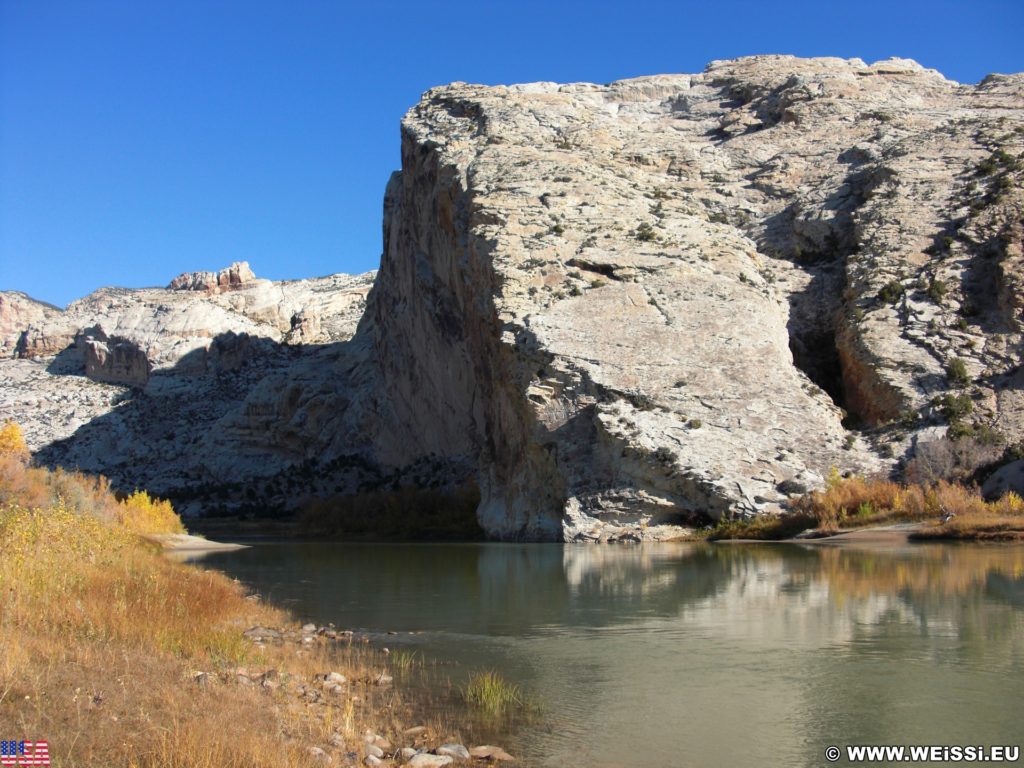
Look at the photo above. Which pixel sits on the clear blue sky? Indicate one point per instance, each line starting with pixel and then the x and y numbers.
pixel 143 138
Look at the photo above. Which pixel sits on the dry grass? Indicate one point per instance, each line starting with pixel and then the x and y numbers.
pixel 764 528
pixel 101 638
pixel 856 502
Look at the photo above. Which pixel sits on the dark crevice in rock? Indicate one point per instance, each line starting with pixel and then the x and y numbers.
pixel 608 270
pixel 984 278
pixel 815 353
pixel 821 249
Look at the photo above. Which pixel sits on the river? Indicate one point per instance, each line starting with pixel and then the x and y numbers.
pixel 690 654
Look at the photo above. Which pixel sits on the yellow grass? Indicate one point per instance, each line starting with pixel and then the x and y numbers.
pixel 101 637
pixel 854 502
pixel 955 510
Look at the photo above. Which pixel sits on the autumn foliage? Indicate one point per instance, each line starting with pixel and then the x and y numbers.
pixel 12 442
pixel 102 638
pixel 953 509
pixel 141 513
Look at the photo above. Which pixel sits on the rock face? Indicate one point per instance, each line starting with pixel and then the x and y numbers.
pixel 229 279
pixel 656 298
pixel 17 313
pixel 113 360
pixel 140 385
pixel 625 308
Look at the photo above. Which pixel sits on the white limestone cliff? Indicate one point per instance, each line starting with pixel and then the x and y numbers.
pixel 624 308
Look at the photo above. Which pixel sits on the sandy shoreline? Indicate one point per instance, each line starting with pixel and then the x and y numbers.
pixel 889 535
pixel 893 535
pixel 183 542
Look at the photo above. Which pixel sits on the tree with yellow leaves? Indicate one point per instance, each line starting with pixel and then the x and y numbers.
pixel 12 442
pixel 142 513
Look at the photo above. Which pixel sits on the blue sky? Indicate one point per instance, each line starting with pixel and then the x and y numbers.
pixel 143 138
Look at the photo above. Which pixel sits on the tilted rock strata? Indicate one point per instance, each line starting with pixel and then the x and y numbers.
pixel 17 313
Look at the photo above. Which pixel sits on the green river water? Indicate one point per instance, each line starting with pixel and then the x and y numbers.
pixel 689 655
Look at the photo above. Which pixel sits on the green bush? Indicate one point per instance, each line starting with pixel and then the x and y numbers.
pixel 937 290
pixel 955 406
pixel 645 233
pixel 956 370
pixel 891 292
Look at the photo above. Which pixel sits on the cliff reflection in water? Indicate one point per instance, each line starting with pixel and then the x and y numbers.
pixel 659 651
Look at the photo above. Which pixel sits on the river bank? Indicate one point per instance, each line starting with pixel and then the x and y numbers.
pixel 116 655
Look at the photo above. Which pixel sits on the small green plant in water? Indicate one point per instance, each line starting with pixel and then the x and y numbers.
pixel 489 692
pixel 403 661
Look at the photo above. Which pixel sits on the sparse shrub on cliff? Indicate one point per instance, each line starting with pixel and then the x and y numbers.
pixel 664 455
pixel 988 166
pixel 956 370
pixel 645 233
pixel 641 400
pixel 891 292
pixel 955 406
pixel 937 290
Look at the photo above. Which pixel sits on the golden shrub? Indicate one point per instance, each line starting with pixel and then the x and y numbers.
pixel 12 442
pixel 141 513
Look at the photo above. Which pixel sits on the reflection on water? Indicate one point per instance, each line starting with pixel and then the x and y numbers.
pixel 694 655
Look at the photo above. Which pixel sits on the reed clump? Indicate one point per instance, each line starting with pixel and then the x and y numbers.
pixel 491 694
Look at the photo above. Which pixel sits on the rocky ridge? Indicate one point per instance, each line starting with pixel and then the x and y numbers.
pixel 137 383
pixel 632 307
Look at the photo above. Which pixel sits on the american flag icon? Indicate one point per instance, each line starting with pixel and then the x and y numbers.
pixel 18 753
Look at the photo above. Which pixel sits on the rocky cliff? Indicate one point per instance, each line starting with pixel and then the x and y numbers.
pixel 634 306
pixel 678 294
pixel 141 385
